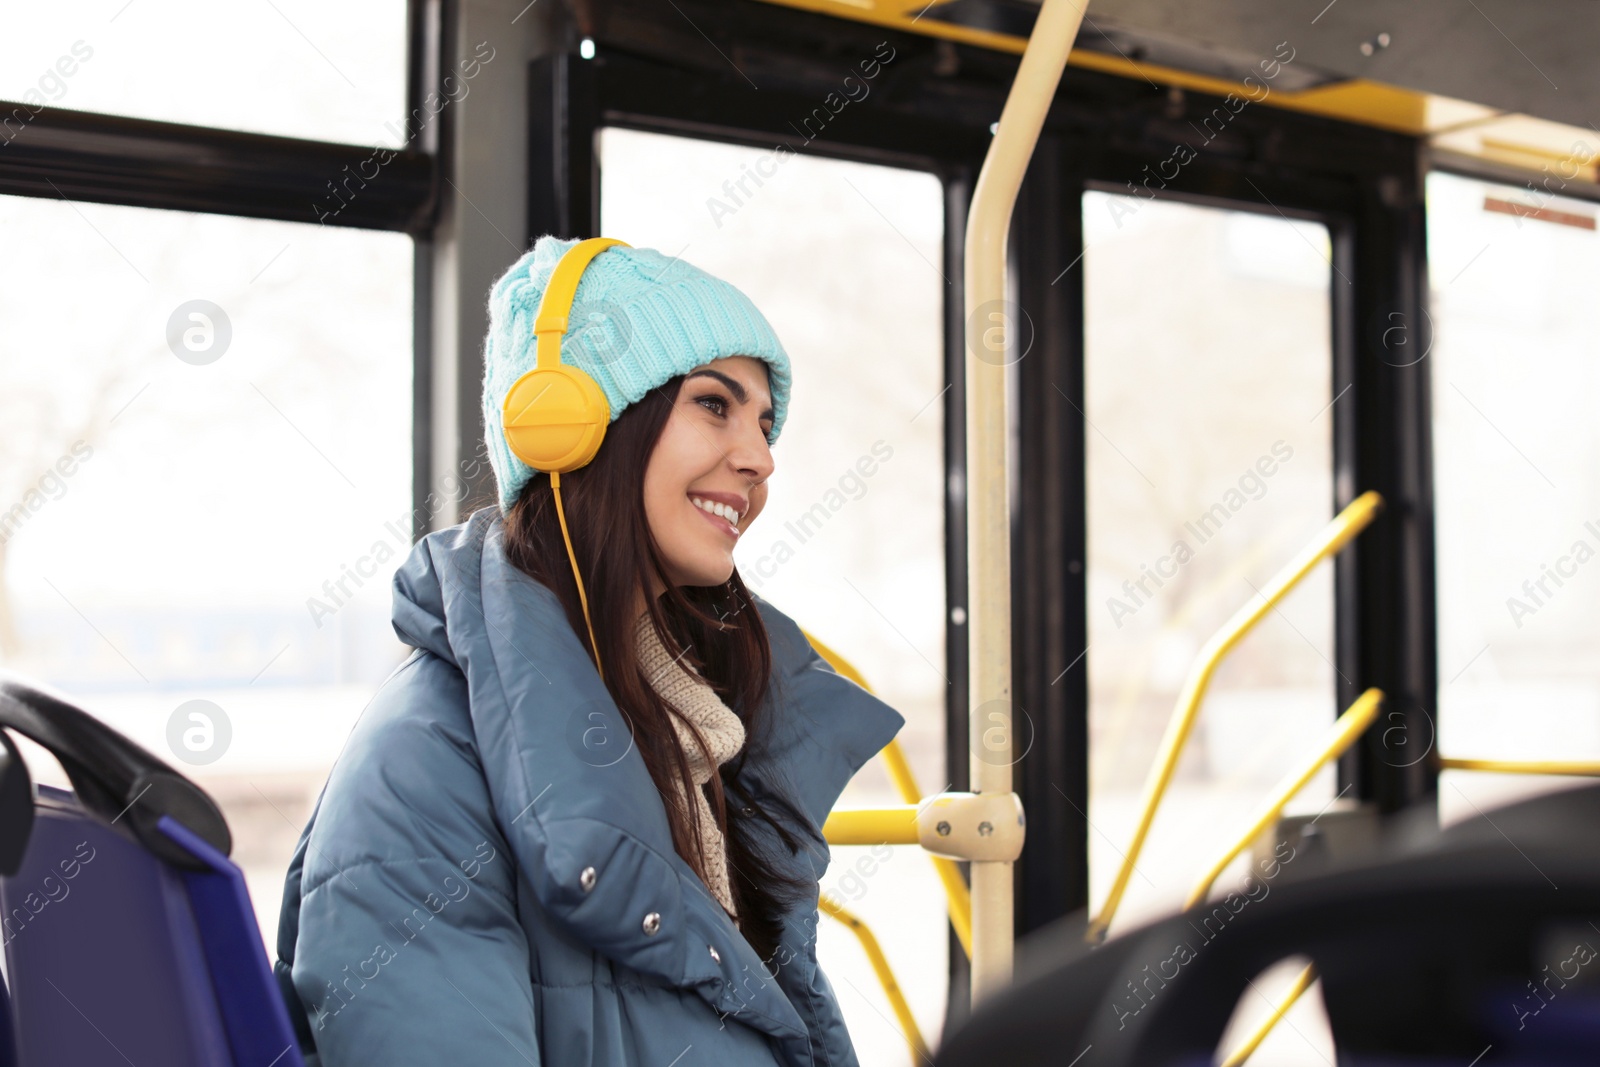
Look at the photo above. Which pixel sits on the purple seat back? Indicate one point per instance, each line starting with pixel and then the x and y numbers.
pixel 115 956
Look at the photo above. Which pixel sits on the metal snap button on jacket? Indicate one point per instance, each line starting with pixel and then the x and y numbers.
pixel 652 924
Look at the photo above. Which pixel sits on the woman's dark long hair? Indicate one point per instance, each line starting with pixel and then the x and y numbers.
pixel 727 646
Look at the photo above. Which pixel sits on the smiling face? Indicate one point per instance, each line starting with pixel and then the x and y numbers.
pixel 707 479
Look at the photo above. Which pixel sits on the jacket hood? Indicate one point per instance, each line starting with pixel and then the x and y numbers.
pixel 571 792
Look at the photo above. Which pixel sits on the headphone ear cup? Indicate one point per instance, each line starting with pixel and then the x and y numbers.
pixel 555 418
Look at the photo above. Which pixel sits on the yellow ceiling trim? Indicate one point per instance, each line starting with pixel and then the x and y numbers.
pixel 891 15
pixel 1449 123
pixel 1538 161
pixel 1365 102
pixel 1369 103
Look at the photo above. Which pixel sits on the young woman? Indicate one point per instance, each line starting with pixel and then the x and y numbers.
pixel 538 848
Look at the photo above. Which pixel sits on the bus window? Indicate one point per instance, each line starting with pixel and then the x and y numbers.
pixel 340 74
pixel 1207 368
pixel 851 544
pixel 1512 274
pixel 207 489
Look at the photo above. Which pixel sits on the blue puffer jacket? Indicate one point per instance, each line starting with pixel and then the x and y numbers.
pixel 488 876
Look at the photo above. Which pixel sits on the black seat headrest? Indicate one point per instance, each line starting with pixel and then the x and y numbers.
pixel 113 777
pixel 1416 947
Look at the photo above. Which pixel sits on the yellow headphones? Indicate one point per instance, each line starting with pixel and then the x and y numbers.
pixel 555 416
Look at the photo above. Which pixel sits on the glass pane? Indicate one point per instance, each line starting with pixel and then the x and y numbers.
pixel 1518 510
pixel 851 544
pixel 205 490
pixel 1209 466
pixel 337 72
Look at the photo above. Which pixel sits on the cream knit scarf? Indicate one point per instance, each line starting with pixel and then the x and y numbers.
pixel 718 725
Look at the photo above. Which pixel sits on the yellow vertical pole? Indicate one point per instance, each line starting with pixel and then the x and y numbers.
pixel 989 318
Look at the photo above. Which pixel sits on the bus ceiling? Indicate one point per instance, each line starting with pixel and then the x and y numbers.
pixel 1498 80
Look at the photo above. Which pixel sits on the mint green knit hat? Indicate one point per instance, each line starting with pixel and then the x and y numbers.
pixel 638 319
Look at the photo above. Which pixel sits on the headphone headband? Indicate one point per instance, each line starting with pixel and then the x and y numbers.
pixel 555 307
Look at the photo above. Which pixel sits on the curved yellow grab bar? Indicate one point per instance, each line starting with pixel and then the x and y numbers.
pixel 1346 729
pixel 1302 982
pixel 957 897
pixel 1583 768
pixel 880 964
pixel 1345 526
pixel 905 783
pixel 836 661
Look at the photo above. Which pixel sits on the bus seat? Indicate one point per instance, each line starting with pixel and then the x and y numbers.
pixel 128 933
pixel 1432 950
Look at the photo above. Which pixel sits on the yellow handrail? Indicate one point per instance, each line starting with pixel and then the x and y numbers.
pixel 872 826
pixel 880 964
pixel 836 661
pixel 958 899
pixel 1583 768
pixel 1345 526
pixel 1344 732
pixel 905 783
pixel 1302 982
pixel 894 826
